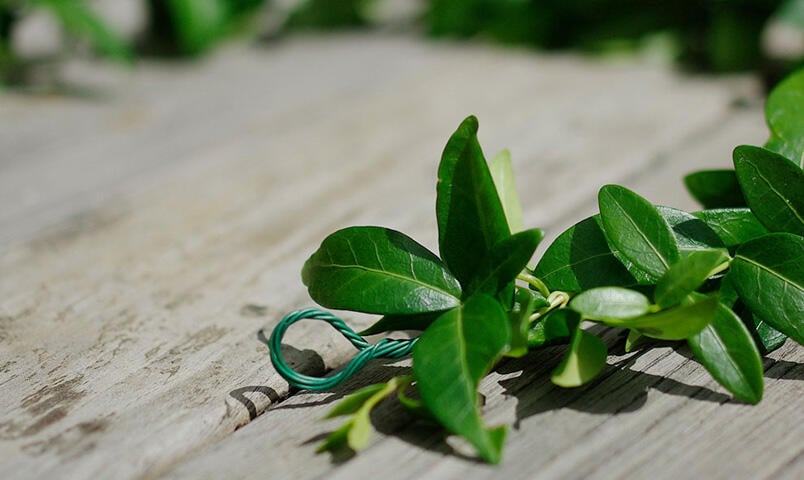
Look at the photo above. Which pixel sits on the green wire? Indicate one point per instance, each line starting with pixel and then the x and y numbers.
pixel 385 348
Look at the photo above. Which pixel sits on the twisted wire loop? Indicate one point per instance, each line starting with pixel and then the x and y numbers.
pixel 385 348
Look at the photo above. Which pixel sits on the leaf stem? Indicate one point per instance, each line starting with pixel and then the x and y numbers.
pixel 534 282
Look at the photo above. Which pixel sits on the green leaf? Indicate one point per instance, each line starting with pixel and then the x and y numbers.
pixel 391 323
pixel 584 360
pixel 378 270
pixel 686 275
pixel 634 341
pixel 554 328
pixel 450 359
pixel 80 20
pixel 715 188
pixel 734 226
pixel 634 227
pixel 690 232
pixel 785 115
pixel 356 433
pixel 767 338
pixel 610 303
pixel 504 262
pixel 525 303
pixel 768 273
pixel 580 258
pixel 726 349
pixel 502 173
pixel 773 187
pixel 677 323
pixel 471 220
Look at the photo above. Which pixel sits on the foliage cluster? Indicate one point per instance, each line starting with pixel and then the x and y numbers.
pixel 728 281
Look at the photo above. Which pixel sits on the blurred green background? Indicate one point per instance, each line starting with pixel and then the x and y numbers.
pixel 766 36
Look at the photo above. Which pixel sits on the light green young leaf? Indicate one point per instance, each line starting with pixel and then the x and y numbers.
pixel 635 228
pixel 610 303
pixel 471 220
pixel 502 172
pixel 686 275
pixel 768 274
pixel 378 270
pixel 726 349
pixel 677 323
pixel 450 359
pixel 525 303
pixel 583 361
pixel 784 112
pixel 356 432
pixel 773 187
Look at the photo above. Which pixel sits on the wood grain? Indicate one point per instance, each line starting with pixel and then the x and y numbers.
pixel 150 238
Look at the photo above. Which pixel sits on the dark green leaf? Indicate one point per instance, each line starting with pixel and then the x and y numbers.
pixel 715 188
pixel 502 172
pixel 613 303
pixel 585 358
pixel 504 262
pixel 734 226
pixel 636 229
pixel 580 258
pixel 554 328
pixel 691 233
pixel 470 216
pixel 785 114
pixel 391 323
pixel 676 323
pixel 450 359
pixel 768 273
pixel 726 349
pixel 686 275
pixel 773 186
pixel 767 338
pixel 378 270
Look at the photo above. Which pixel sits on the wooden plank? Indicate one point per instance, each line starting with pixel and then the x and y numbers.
pixel 152 251
pixel 660 414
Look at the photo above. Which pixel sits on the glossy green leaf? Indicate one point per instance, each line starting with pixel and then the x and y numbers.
pixel 636 229
pixel 391 323
pixel 715 188
pixel 378 270
pixel 766 337
pixel 734 226
pixel 768 273
pixel 773 187
pixel 784 112
pixel 504 262
pixel 726 349
pixel 691 233
pixel 554 328
pixel 471 220
pixel 356 433
pixel 580 258
pixel 450 359
pixel 676 323
pixel 78 19
pixel 686 275
pixel 502 173
pixel 613 303
pixel 583 361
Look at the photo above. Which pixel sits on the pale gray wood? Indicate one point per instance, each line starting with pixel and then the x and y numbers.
pixel 150 235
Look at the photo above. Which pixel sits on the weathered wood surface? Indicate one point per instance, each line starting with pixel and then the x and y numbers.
pixel 152 236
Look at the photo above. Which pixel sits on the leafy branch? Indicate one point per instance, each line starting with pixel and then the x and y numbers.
pixel 728 281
